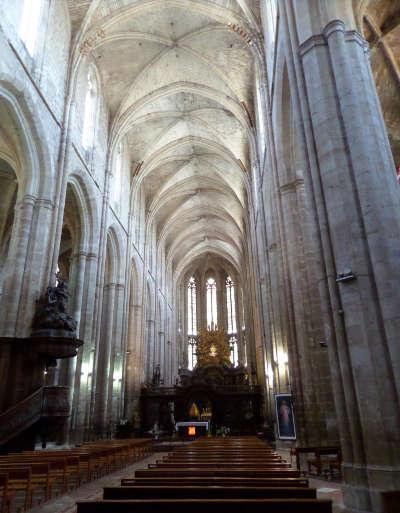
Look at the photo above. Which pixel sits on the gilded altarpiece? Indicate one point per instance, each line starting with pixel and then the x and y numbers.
pixel 214 390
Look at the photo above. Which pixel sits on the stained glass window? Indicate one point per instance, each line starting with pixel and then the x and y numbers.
pixel 192 323
pixel 211 287
pixel 231 306
pixel 30 24
pixel 231 317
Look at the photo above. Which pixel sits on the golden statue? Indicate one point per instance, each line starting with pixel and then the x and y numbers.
pixel 213 347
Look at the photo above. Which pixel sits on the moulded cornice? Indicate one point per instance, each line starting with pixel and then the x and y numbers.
pixel 331 28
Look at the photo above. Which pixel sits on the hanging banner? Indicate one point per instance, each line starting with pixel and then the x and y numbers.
pixel 285 417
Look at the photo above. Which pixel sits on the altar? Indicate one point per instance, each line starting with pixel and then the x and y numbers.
pixel 191 429
pixel 223 394
pixel 214 393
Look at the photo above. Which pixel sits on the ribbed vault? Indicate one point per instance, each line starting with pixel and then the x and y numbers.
pixel 179 80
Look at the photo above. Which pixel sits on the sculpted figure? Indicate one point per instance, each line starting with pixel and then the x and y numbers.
pixel 51 311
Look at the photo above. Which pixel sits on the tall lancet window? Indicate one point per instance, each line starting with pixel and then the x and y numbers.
pixel 117 178
pixel 89 119
pixel 28 29
pixel 211 288
pixel 232 326
pixel 192 323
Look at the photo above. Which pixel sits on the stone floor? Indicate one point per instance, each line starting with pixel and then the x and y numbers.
pixel 93 490
pixel 329 490
pixel 325 489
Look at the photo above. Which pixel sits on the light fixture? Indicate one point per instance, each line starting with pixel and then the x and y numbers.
pixel 281 357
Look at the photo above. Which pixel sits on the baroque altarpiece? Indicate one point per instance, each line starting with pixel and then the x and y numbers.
pixel 214 390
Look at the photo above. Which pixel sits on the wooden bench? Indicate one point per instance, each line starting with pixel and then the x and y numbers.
pixel 48 471
pixel 193 472
pixel 229 475
pixel 7 496
pixel 39 476
pixel 207 492
pixel 391 501
pixel 216 458
pixel 221 464
pixel 216 481
pixel 19 481
pixel 326 459
pixel 201 505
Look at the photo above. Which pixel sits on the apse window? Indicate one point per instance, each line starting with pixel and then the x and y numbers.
pixel 29 27
pixel 232 325
pixel 211 288
pixel 192 323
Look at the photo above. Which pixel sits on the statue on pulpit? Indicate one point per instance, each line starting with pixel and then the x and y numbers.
pixel 51 316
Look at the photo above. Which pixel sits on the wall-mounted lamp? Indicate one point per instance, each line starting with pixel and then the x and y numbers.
pixel 345 276
pixel 270 374
pixel 281 357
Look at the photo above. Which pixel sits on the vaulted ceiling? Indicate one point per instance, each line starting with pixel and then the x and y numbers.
pixel 379 21
pixel 179 78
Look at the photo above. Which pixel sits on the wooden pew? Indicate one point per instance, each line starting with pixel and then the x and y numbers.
pixel 216 481
pixel 39 476
pixel 19 481
pixel 207 492
pixel 254 461
pixel 221 464
pixel 193 472
pixel 201 505
pixel 7 496
pixel 43 471
pixel 230 475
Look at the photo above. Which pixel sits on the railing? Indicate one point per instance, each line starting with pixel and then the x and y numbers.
pixel 50 402
pixel 20 416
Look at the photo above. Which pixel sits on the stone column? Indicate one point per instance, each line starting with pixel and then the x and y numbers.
pixel 26 265
pixel 312 390
pixel 104 367
pixel 133 361
pixel 352 177
pixel 150 341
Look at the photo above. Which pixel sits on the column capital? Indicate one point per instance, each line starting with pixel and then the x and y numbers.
pixel 331 28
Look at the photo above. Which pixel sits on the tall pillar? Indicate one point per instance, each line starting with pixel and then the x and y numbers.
pixel 26 265
pixel 150 341
pixel 133 362
pixel 352 179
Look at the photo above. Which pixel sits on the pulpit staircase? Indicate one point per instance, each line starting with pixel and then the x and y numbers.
pixel 50 403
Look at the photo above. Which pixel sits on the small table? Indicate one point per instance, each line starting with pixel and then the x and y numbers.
pixel 192 429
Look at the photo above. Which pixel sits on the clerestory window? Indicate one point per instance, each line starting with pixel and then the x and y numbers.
pixel 192 323
pixel 211 296
pixel 231 317
pixel 29 27
pixel 89 119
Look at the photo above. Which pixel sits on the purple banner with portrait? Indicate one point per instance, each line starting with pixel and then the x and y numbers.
pixel 285 417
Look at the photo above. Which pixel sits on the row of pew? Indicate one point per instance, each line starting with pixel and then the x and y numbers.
pixel 31 477
pixel 225 475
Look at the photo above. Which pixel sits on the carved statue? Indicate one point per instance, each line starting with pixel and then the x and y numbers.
pixel 51 312
pixel 213 347
pixel 156 376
